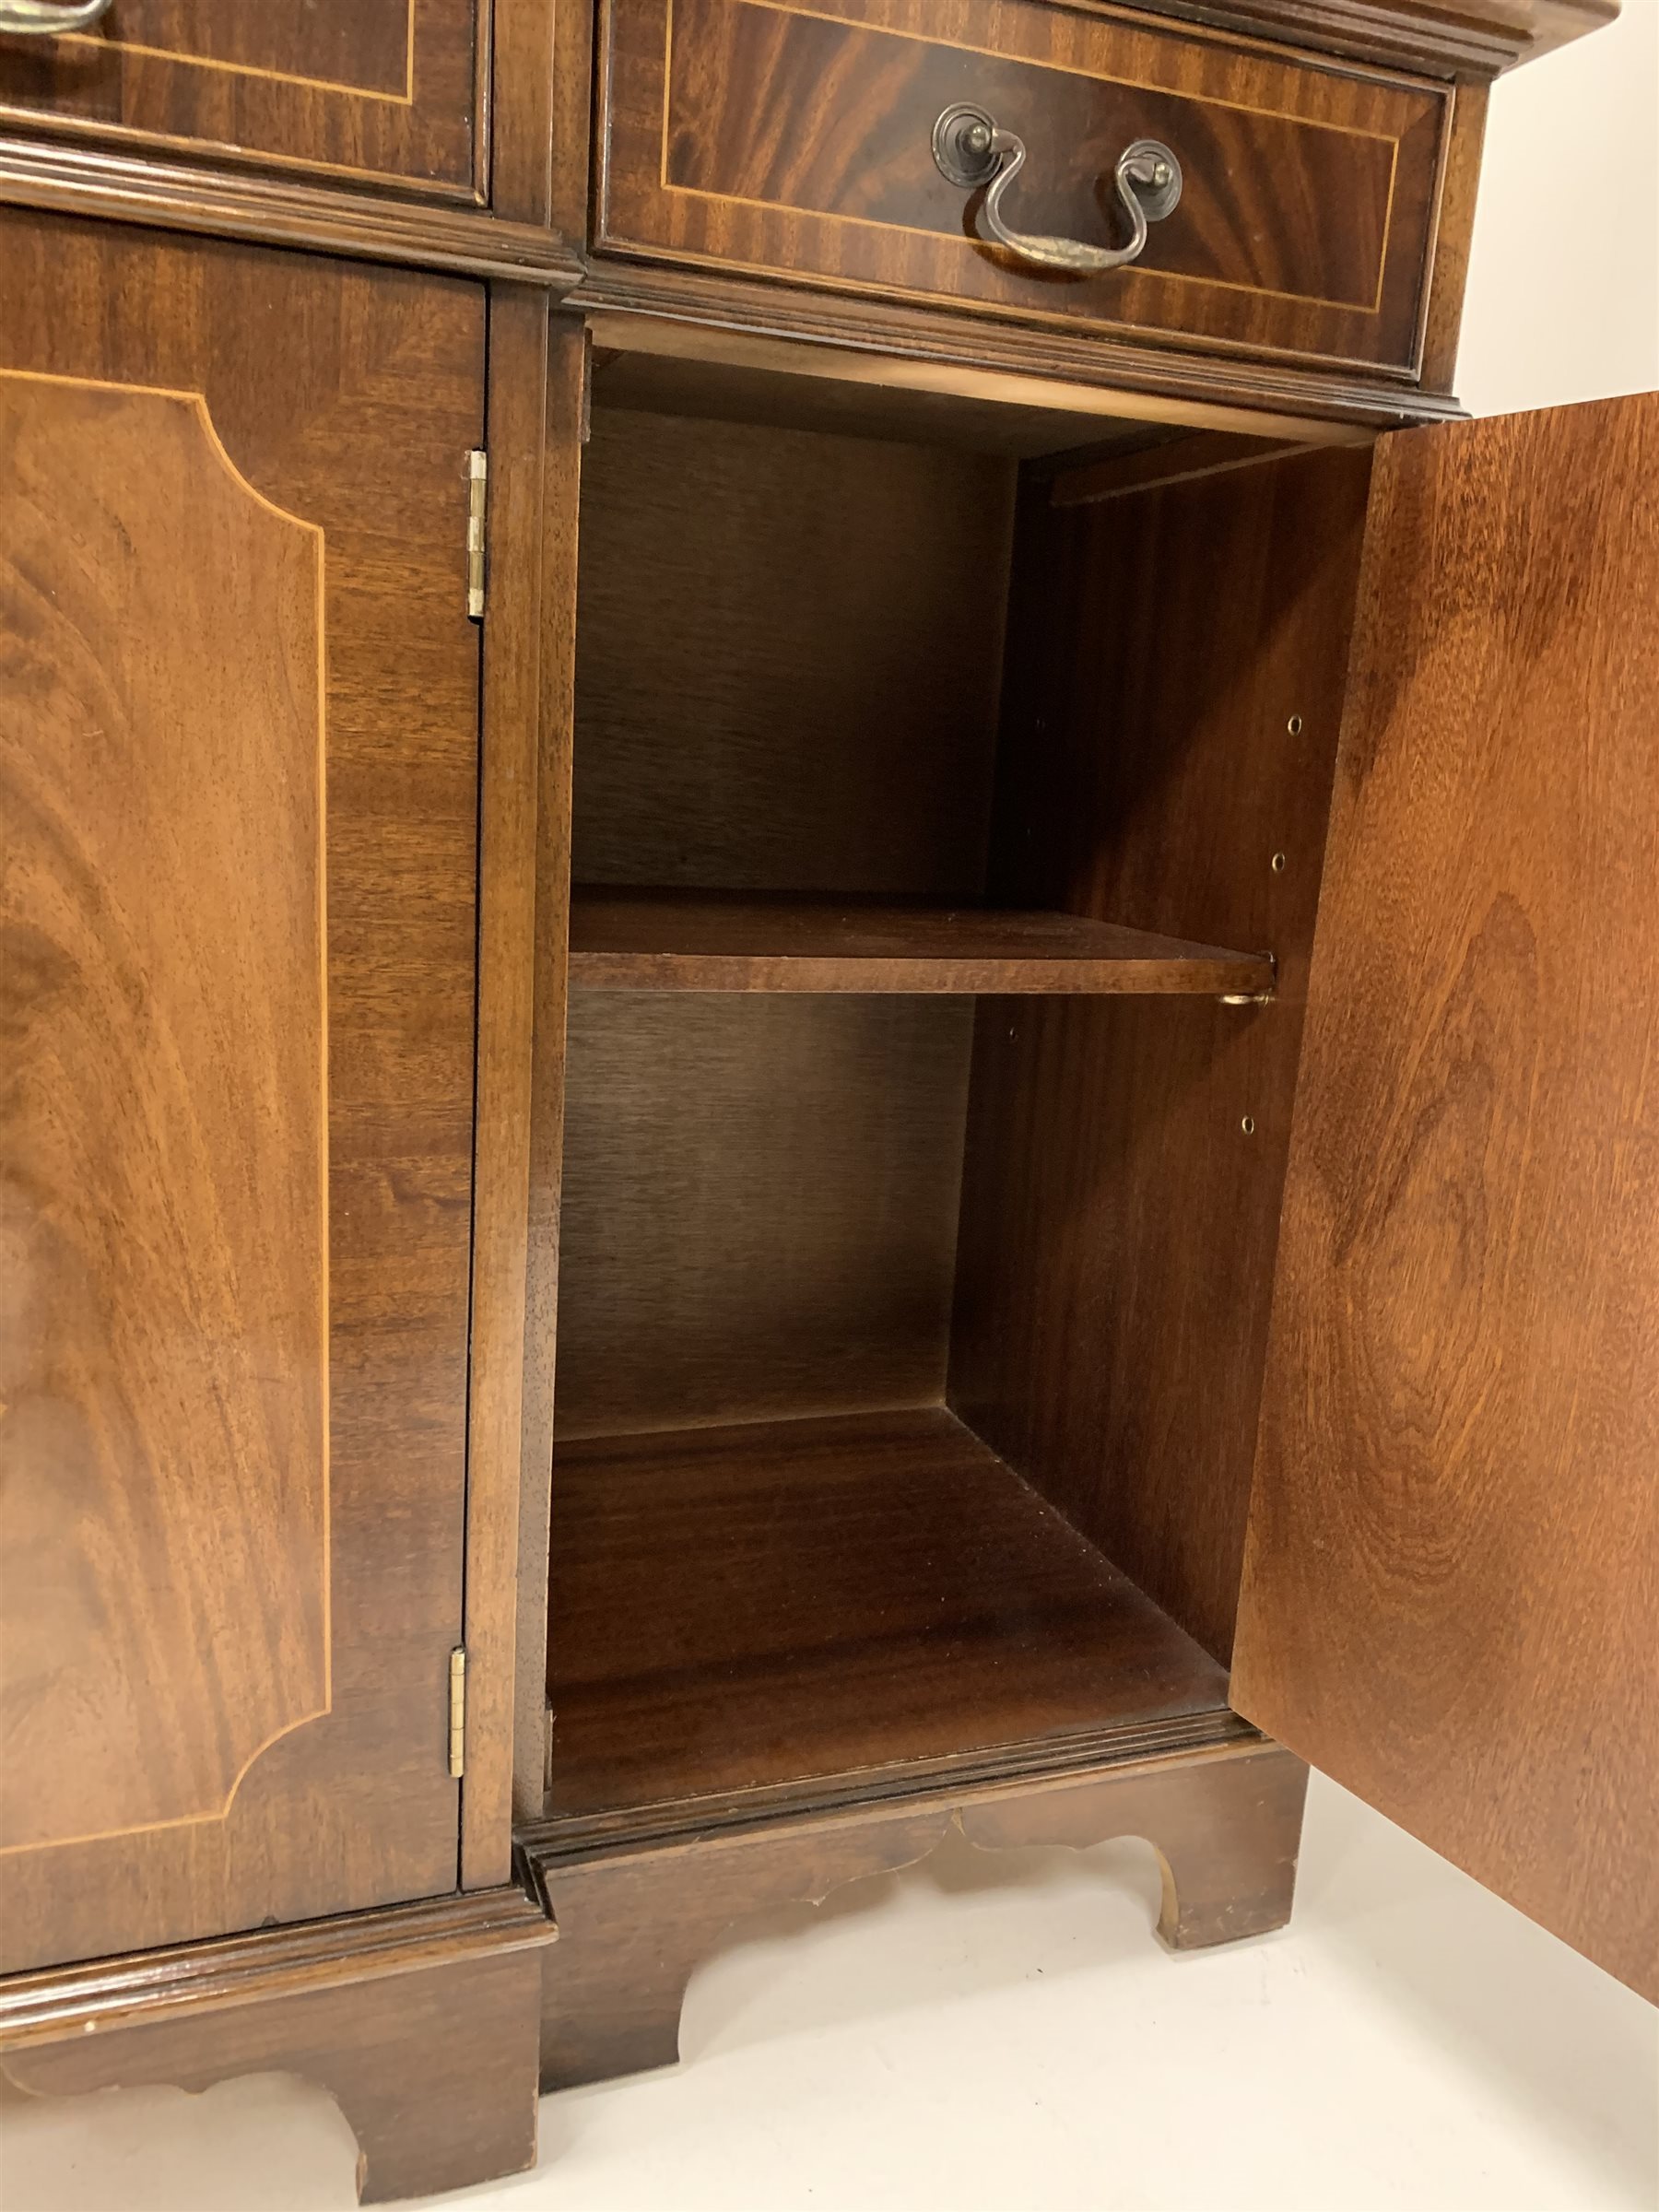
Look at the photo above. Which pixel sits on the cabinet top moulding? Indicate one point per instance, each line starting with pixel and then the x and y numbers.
pixel 1479 38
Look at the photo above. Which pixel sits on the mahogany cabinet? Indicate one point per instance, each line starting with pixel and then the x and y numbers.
pixel 807 1040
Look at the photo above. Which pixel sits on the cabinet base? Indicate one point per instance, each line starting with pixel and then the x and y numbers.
pixel 635 1919
pixel 421 2020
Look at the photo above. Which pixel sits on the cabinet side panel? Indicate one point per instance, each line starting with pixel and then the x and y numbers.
pixel 1175 668
pixel 1452 1588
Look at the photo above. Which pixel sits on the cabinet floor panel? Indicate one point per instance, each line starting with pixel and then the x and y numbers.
pixel 743 1608
pixel 641 940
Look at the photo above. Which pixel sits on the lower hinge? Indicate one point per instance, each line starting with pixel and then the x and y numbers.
pixel 457 1711
pixel 477 490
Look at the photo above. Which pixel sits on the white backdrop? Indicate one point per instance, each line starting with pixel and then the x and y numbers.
pixel 1562 304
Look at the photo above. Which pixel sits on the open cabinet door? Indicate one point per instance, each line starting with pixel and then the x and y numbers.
pixel 1451 1597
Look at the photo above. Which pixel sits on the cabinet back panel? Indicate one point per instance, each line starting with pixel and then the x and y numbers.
pixel 759 1205
pixel 788 652
pixel 1119 1226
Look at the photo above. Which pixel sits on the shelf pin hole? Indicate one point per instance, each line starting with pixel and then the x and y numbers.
pixel 1278 863
pixel 1248 1125
pixel 1295 726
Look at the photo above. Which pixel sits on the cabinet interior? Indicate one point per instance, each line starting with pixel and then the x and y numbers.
pixel 941 769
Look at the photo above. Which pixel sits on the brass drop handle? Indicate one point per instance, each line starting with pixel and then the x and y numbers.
pixel 972 152
pixel 49 19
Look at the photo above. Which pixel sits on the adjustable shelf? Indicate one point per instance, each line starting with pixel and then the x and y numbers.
pixel 638 940
pixel 841 1602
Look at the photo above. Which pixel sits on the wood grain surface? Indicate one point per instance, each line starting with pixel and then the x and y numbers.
pixel 162 1120
pixel 148 1024
pixel 857 397
pixel 81 179
pixel 760 1604
pixel 420 2021
pixel 759 1205
pixel 796 142
pixel 1225 1824
pixel 382 88
pixel 787 654
pixel 1452 1586
pixel 1118 1222
pixel 679 941
pixel 702 314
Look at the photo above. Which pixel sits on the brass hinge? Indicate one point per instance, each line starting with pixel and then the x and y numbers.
pixel 477 486
pixel 457 1728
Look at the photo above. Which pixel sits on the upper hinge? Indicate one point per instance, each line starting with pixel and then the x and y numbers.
pixel 477 488
pixel 457 1711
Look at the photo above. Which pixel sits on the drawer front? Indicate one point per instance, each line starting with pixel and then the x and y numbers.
pixel 373 89
pixel 777 139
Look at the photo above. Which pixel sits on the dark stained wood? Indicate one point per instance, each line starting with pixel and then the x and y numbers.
pixel 534 400
pixel 144 1988
pixel 572 112
pixel 554 620
pixel 1480 37
pixel 1454 235
pixel 754 135
pixel 1169 461
pixel 1117 1223
pixel 314 375
pixel 421 2021
pixel 1225 1824
pixel 759 1205
pixel 780 1602
pixel 1452 1586
pixel 381 89
pixel 662 383
pixel 787 654
pixel 525 771
pixel 464 239
pixel 700 313
pixel 521 127
pixel 707 941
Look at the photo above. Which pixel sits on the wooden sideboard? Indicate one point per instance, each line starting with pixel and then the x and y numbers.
pixel 829 989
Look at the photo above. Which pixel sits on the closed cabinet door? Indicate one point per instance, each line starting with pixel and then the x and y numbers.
pixel 239 753
pixel 372 90
pixel 1452 1582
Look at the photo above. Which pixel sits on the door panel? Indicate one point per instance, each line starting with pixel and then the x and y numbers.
pixel 379 89
pixel 162 1190
pixel 238 776
pixel 1451 1584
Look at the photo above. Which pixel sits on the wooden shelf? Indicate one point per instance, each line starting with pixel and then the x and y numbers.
pixel 630 940
pixel 852 1599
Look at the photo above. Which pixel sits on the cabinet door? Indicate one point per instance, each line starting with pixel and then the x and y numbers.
pixel 1452 1584
pixel 377 89
pixel 238 786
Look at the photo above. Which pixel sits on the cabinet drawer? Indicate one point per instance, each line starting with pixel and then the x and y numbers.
pixel 381 89
pixel 792 141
